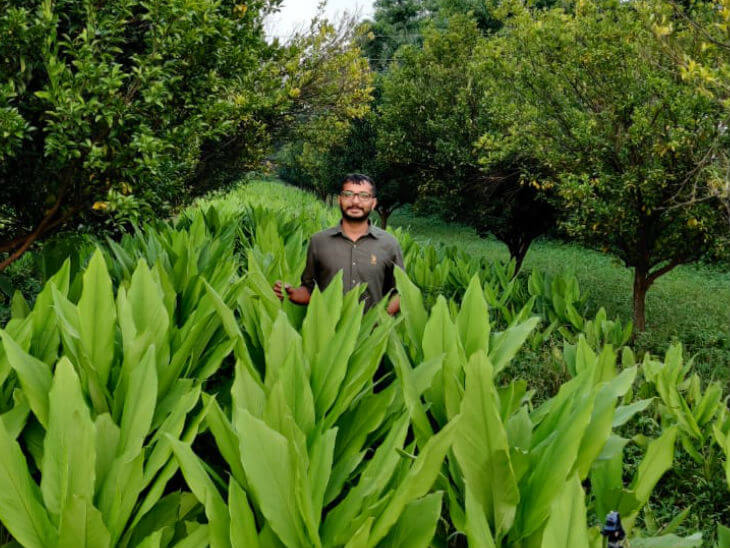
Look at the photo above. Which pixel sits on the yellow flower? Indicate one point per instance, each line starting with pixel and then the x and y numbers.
pixel 99 206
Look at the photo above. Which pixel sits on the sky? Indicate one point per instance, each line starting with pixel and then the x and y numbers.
pixel 296 14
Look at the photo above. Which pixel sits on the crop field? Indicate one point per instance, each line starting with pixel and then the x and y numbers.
pixel 157 394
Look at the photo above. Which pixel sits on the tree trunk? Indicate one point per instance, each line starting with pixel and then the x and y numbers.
pixel 642 281
pixel 518 253
pixel 384 215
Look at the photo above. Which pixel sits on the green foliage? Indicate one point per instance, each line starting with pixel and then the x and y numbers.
pixel 336 84
pixel 105 103
pixel 436 104
pixel 394 24
pixel 279 420
pixel 593 96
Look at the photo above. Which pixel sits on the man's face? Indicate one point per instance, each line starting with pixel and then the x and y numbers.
pixel 355 208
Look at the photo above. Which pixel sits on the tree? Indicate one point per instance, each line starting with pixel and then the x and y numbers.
pixel 123 97
pixel 435 107
pixel 595 99
pixel 333 88
pixel 394 23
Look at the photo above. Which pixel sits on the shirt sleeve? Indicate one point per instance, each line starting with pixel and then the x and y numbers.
pixel 309 270
pixel 398 260
pixel 389 286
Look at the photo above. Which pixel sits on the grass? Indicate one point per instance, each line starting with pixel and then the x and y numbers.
pixel 691 304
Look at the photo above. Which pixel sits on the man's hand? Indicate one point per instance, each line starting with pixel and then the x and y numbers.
pixel 393 306
pixel 278 289
pixel 297 295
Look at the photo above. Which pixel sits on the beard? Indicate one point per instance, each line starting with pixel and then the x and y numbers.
pixel 355 217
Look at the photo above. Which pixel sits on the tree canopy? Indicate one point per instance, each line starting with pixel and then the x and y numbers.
pixel 593 96
pixel 142 105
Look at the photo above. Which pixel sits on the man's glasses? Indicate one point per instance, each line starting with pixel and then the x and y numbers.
pixel 361 195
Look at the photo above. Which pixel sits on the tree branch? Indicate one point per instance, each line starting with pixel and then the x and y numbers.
pixel 41 229
pixel 663 270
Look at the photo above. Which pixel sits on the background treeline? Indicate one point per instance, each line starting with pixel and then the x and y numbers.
pixel 600 122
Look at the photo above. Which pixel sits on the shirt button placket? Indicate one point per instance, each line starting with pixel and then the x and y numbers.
pixel 352 269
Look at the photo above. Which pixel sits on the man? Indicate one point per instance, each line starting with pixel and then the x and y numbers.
pixel 364 253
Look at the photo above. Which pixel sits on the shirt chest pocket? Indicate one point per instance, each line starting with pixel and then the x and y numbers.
pixel 370 264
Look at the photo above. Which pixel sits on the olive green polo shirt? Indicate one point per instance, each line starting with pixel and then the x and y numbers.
pixel 370 260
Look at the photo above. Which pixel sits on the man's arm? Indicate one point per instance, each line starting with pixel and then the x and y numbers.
pixel 394 304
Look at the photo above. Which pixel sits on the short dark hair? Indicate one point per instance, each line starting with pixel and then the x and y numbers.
pixel 358 179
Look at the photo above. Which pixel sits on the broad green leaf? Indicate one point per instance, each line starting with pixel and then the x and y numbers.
pixel 340 523
pixel 481 447
pixel 150 321
pixel 417 481
pixel 247 393
pixel 411 304
pixel 16 417
pixel 354 428
pixel 477 531
pixel 243 524
pixel 283 342
pixel 416 525
pixel 198 538
pixel 361 369
pixel 46 337
pixel 139 406
pixel 598 430
pixel 657 460
pixel 34 376
pixel 230 325
pixel 174 423
pixel 155 491
pixel 97 317
pixel 440 337
pixel 505 345
pixel 473 319
pixel 320 466
pixel 69 445
pixel 21 510
pixel 411 395
pixel 267 462
pixel 21 331
pixel 82 526
pixel 567 523
pixel 166 513
pixel 624 413
pixel 668 541
pixel 323 313
pixel 119 493
pixel 107 443
pixel 19 308
pixel 151 541
pixel 723 536
pixel 551 461
pixel 361 536
pixel 205 491
pixel 225 439
pixel 330 365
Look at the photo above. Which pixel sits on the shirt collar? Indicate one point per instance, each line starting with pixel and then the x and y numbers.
pixel 337 230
